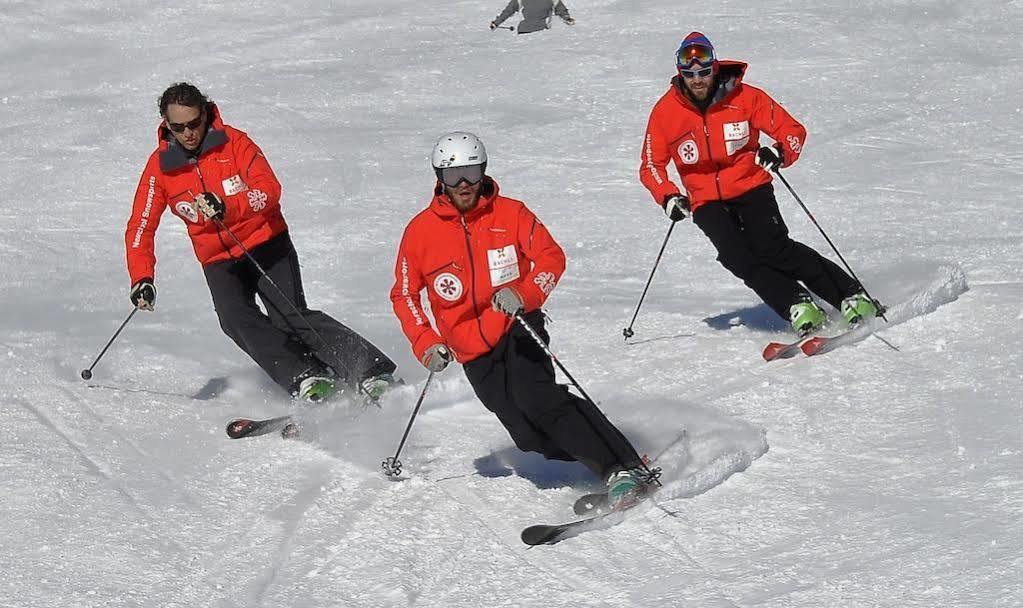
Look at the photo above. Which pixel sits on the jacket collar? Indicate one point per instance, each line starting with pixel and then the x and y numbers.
pixel 173 156
pixel 729 79
pixel 445 209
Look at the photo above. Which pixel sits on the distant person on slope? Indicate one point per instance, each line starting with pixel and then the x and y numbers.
pixel 709 124
pixel 536 15
pixel 217 181
pixel 482 258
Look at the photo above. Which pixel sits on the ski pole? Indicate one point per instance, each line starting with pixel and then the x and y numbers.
pixel 284 296
pixel 510 28
pixel 627 332
pixel 880 307
pixel 651 474
pixel 391 465
pixel 87 373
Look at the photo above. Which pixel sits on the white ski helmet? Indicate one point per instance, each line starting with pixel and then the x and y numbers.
pixel 459 149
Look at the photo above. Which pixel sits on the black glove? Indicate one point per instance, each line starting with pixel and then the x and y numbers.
pixel 143 294
pixel 569 20
pixel 676 207
pixel 493 25
pixel 770 158
pixel 211 206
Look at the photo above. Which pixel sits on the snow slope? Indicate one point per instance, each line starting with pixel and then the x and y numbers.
pixel 866 477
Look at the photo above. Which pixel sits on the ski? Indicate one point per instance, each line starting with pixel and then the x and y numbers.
pixel 819 345
pixel 595 505
pixel 549 534
pixel 209 392
pixel 543 534
pixel 781 350
pixel 243 427
pixel 815 345
pixel 596 502
pixel 590 503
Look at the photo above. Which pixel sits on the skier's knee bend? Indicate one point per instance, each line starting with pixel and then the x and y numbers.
pixel 230 329
pixel 739 265
pixel 542 402
pixel 780 248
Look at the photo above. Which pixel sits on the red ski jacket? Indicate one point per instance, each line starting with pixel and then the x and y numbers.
pixel 462 260
pixel 715 151
pixel 228 164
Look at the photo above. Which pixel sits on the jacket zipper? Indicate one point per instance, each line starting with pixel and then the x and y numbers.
pixel 220 237
pixel 706 135
pixel 472 272
pixel 202 182
pixel 717 171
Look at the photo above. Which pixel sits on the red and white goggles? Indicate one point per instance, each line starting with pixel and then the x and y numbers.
pixel 699 54
pixel 453 176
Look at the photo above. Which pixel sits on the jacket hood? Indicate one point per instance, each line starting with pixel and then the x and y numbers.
pixel 443 207
pixel 173 156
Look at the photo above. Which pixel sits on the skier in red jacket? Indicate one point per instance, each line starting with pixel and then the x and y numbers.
pixel 217 181
pixel 482 257
pixel 709 123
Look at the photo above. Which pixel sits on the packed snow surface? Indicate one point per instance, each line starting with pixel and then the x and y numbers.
pixel 884 473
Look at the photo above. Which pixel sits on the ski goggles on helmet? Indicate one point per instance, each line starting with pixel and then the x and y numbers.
pixel 453 176
pixel 699 54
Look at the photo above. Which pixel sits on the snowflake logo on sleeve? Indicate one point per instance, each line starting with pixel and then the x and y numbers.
pixel 257 200
pixel 545 281
pixel 794 144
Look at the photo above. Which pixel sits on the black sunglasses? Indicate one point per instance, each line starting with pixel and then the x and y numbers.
pixel 179 127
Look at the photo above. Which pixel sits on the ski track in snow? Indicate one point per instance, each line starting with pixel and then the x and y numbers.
pixel 866 476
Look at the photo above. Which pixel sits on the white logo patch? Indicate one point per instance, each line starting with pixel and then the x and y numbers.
pixel 688 152
pixel 794 144
pixel 504 265
pixel 257 200
pixel 545 281
pixel 736 136
pixel 447 286
pixel 234 185
pixel 187 211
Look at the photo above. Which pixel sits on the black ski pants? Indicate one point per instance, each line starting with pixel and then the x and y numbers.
pixel 288 344
pixel 753 243
pixel 516 382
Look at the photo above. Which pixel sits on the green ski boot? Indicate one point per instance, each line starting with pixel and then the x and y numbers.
pixel 624 489
pixel 376 386
pixel 858 308
pixel 806 317
pixel 316 389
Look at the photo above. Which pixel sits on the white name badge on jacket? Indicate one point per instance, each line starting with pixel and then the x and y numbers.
pixel 504 265
pixel 234 185
pixel 736 136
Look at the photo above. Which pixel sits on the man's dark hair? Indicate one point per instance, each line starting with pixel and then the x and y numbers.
pixel 183 94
